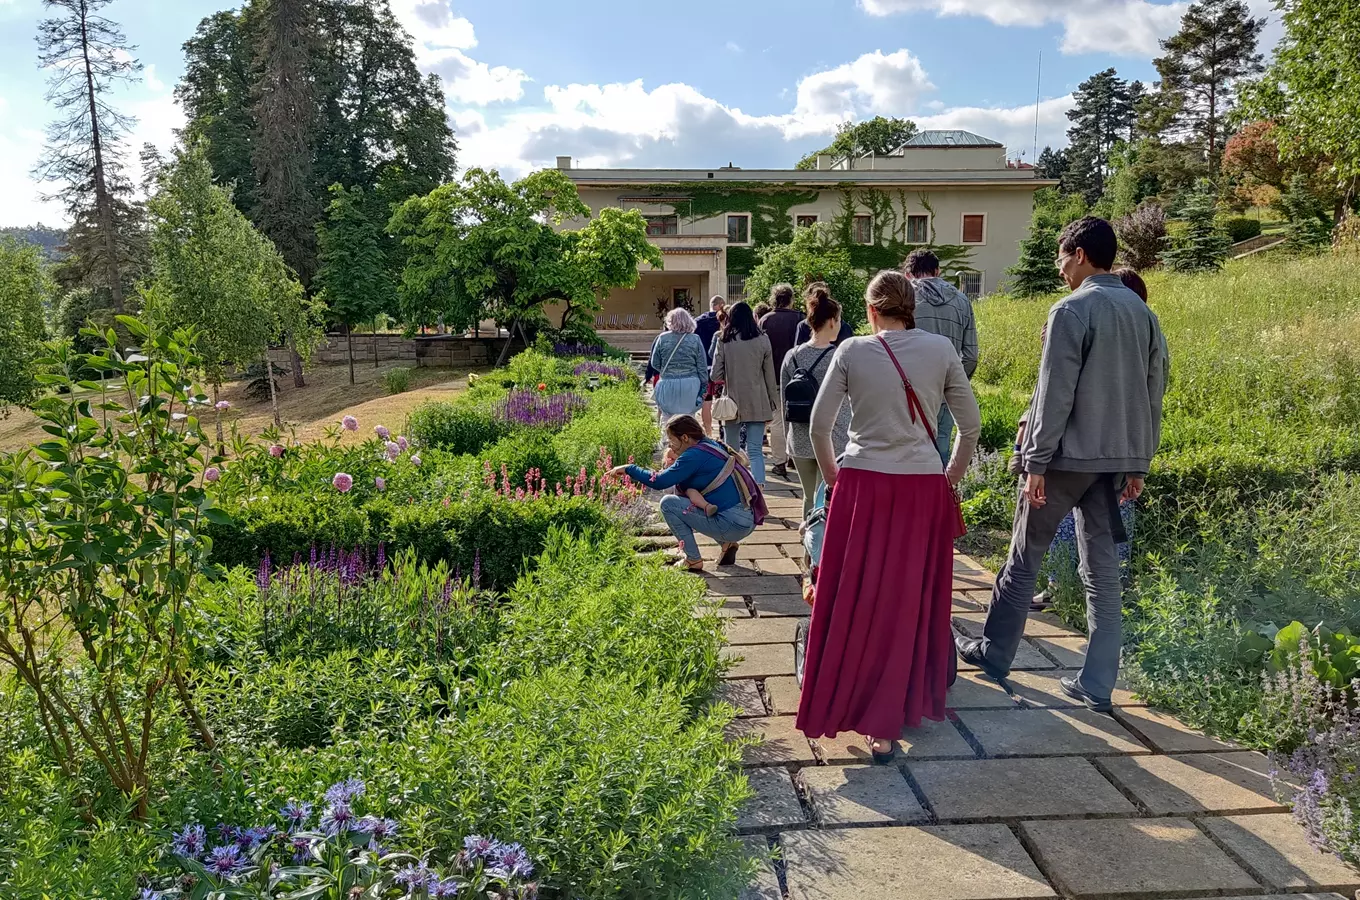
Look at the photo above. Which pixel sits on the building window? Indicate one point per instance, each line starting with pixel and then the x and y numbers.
pixel 863 232
pixel 660 226
pixel 971 284
pixel 974 228
pixel 736 288
pixel 918 229
pixel 739 228
pixel 805 221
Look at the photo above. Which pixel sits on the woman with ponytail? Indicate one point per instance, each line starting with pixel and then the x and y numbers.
pixel 880 653
pixel 805 368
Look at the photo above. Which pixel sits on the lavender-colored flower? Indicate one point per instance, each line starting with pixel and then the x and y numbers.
pixel 212 473
pixel 380 483
pixel 476 569
pixel 342 482
pixel 446 888
pixel 222 406
pixel 302 850
pixel 149 894
pixel 514 861
pixel 415 460
pixel 476 847
pixel 190 842
pixel 226 861
pixel 381 563
pixel 349 423
pixel 346 791
pixel 393 450
pixel 250 838
pixel 378 827
pixel 415 877
pixel 402 443
pixel 296 814
pixel 262 575
pixel 382 432
pixel 276 450
pixel 337 819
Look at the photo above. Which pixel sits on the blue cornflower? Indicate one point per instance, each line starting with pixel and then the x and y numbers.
pixel 296 814
pixel 514 861
pixel 415 877
pixel 226 861
pixel 377 826
pixel 302 850
pixel 446 888
pixel 190 842
pixel 250 838
pixel 477 847
pixel 149 894
pixel 337 819
pixel 346 791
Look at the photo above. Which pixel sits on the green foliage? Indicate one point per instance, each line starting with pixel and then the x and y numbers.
pixel 1036 274
pixel 1204 247
pixel 812 255
pixel 1102 116
pixel 287 523
pixel 614 421
pixel 524 450
pixel 25 289
pixel 878 135
pixel 1310 224
pixel 353 280
pixel 397 381
pixel 1142 236
pixel 455 427
pixel 1240 228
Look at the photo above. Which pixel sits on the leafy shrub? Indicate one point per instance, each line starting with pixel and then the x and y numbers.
pixel 1241 228
pixel 286 525
pixel 397 381
pixel 529 369
pixel 1142 236
pixel 1001 412
pixel 616 419
pixel 457 428
pixel 530 449
pixel 989 490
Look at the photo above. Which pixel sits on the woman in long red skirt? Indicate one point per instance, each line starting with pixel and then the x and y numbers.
pixel 880 651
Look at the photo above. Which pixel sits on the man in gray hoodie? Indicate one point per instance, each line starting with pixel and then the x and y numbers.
pixel 1094 426
pixel 945 310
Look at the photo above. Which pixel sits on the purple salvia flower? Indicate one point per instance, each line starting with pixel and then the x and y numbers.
pixel 190 842
pixel 476 569
pixel 262 576
pixel 448 592
pixel 382 556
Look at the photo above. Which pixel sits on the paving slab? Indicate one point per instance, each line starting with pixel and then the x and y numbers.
pixel 1026 657
pixel 932 740
pixel 765 886
pixel 1048 732
pixel 1002 789
pixel 852 795
pixel 1197 782
pixel 739 569
pixel 1070 652
pixel 756 552
pixel 961 604
pixel 1041 689
pixel 743 695
pixel 959 862
pixel 752 585
pixel 726 607
pixel 781 605
pixel 1167 734
pixel 775 803
pixel 780 566
pixel 759 660
pixel 761 631
pixel 976 691
pixel 970 623
pixel 1133 858
pixel 1276 848
pixel 966 582
pixel 783 693
pixel 775 534
pixel 781 742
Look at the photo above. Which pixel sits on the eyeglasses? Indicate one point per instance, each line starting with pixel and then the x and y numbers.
pixel 1062 258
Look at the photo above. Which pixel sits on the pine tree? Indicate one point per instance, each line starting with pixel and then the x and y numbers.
pixel 1051 163
pixel 1215 48
pixel 1310 222
pixel 88 55
pixel 1203 247
pixel 353 281
pixel 1102 116
pixel 1036 274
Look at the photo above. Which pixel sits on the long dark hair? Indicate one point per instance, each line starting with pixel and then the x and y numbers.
pixel 741 323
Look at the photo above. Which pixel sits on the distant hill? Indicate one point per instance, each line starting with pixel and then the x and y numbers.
pixel 49 239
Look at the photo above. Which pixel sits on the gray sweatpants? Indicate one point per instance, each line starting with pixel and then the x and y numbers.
pixel 1093 497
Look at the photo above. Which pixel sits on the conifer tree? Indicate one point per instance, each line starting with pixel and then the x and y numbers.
pixel 1035 274
pixel 1203 247
pixel 353 281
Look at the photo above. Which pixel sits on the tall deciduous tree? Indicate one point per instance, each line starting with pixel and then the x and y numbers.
pixel 877 135
pixel 25 291
pixel 1102 116
pixel 88 55
pixel 213 271
pixel 353 280
pixel 814 254
pixel 1214 49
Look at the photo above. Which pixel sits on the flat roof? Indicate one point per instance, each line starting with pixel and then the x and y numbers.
pixel 1021 178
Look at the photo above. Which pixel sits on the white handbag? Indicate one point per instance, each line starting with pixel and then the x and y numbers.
pixel 724 409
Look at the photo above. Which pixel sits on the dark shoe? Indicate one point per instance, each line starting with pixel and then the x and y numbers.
pixel 729 555
pixel 1042 600
pixel 881 759
pixel 970 651
pixel 780 470
pixel 1078 693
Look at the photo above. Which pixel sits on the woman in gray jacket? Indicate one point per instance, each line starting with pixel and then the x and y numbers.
pixel 744 361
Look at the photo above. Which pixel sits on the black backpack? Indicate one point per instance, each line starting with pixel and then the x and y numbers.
pixel 801 392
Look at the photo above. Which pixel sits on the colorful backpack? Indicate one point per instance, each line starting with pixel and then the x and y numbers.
pixel 751 496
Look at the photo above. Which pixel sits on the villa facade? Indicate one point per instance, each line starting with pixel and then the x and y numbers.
pixel 950 190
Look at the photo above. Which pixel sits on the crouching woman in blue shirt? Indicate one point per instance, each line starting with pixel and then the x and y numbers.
pixel 693 463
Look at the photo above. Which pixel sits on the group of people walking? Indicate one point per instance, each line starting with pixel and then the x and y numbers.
pixel 874 419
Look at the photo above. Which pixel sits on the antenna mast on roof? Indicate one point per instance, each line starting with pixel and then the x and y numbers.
pixel 1038 93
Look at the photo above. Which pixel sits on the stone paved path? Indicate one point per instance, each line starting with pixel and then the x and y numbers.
pixel 1020 794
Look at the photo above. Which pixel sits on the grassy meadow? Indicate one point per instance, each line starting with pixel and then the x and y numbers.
pixel 1252 515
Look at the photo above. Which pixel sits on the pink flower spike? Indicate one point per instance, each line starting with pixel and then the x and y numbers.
pixel 380 483
pixel 222 406
pixel 275 450
pixel 349 423
pixel 212 473
pixel 342 482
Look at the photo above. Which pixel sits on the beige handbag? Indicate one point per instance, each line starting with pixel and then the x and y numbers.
pixel 724 409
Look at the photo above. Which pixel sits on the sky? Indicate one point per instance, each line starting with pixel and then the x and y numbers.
pixel 754 83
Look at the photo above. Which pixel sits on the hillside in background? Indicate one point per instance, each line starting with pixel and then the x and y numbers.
pixel 49 239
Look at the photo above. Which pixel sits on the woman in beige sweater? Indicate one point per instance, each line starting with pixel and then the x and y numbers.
pixel 744 361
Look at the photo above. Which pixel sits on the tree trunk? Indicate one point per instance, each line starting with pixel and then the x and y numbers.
pixel 298 380
pixel 273 394
pixel 510 339
pixel 349 350
pixel 102 200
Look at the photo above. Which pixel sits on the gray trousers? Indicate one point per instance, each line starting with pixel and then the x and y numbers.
pixel 1096 506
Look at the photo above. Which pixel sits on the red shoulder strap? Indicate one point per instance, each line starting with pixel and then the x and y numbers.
pixel 913 402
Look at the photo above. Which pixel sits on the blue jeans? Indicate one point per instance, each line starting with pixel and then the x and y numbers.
pixel 944 431
pixel 748 436
pixel 684 519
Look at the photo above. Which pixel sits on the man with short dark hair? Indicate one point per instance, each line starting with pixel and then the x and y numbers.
pixel 945 310
pixel 705 327
pixel 1093 427
pixel 780 325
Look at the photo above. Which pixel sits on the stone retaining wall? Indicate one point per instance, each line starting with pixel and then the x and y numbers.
pixel 444 350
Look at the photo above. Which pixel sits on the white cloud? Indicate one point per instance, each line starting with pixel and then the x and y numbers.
pixel 1012 126
pixel 440 41
pixel 875 83
pixel 151 80
pixel 1124 27
pixel 733 46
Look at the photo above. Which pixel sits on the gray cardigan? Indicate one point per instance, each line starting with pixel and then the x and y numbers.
pixel 747 368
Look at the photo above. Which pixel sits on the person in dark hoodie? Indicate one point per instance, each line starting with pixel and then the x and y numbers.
pixel 945 310
pixel 706 326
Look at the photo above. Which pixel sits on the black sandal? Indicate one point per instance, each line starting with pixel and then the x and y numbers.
pixel 882 759
pixel 729 555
